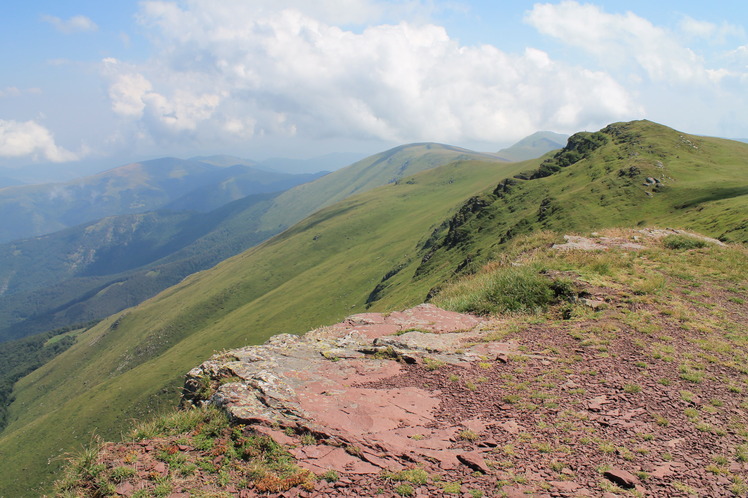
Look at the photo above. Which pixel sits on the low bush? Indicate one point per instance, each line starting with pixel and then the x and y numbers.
pixel 507 289
pixel 682 242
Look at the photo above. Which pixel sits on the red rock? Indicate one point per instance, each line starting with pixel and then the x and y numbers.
pixel 596 404
pixel 474 461
pixel 675 442
pixel 662 471
pixel 476 425
pixel 488 443
pixel 160 467
pixel 622 478
pixel 565 486
pixel 511 426
pixel 125 489
pixel 279 437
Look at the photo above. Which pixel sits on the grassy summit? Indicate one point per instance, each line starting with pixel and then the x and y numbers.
pixel 630 357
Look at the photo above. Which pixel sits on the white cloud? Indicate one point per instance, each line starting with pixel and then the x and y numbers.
pixel 254 69
pixel 76 24
pixel 694 27
pixel 28 138
pixel 714 33
pixel 12 91
pixel 623 40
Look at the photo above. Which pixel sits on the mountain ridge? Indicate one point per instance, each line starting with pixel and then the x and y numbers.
pixel 34 210
pixel 411 236
pixel 125 265
pixel 576 394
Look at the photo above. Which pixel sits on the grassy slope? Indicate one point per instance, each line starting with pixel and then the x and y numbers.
pixel 704 188
pixel 535 145
pixel 125 269
pixel 35 209
pixel 125 260
pixel 127 366
pixel 668 350
pixel 361 176
pixel 327 266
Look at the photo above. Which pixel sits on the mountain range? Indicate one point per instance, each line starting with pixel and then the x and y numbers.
pixel 397 228
pixel 98 268
pixel 171 183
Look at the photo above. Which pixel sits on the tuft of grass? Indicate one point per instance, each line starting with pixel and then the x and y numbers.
pixel 684 488
pixel 330 476
pixel 660 420
pixel 404 490
pixel 83 470
pixel 452 488
pixel 416 475
pixel 468 435
pixel 682 242
pixel 179 422
pixel 505 289
pixel 741 453
pixel 432 363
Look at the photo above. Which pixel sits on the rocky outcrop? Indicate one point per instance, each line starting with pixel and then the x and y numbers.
pixel 324 384
pixel 637 242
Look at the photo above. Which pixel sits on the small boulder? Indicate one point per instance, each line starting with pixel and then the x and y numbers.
pixel 474 461
pixel 622 478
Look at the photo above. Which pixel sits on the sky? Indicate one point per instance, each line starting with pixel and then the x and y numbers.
pixel 85 81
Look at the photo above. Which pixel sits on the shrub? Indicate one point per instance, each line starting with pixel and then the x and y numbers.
pixel 682 242
pixel 510 289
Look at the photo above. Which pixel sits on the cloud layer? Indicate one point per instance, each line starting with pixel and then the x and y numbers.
pixel 625 41
pixel 242 70
pixel 76 24
pixel 28 138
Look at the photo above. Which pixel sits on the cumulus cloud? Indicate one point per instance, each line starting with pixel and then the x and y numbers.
pixel 28 138
pixel 620 40
pixel 715 33
pixel 12 91
pixel 686 76
pixel 76 24
pixel 247 69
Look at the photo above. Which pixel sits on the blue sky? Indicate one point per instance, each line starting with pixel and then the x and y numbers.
pixel 111 82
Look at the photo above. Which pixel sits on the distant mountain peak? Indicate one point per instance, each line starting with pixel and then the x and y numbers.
pixel 533 146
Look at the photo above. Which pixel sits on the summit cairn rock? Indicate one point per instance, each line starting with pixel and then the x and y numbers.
pixel 324 384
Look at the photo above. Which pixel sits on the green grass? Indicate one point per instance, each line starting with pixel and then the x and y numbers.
pixel 683 242
pixel 130 366
pixel 384 249
pixel 415 475
pixel 236 455
pixel 510 289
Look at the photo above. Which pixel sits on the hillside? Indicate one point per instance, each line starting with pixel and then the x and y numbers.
pixel 535 145
pixel 96 269
pixel 131 365
pixel 379 169
pixel 629 380
pixel 32 210
pixel 387 248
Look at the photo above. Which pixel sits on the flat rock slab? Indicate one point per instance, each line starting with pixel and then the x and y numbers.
pixel 601 243
pixel 321 384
